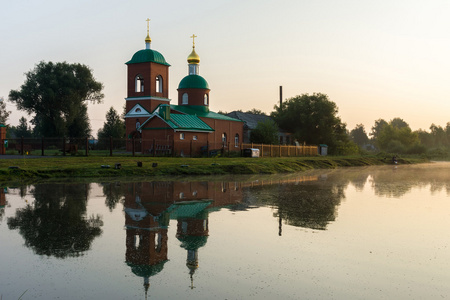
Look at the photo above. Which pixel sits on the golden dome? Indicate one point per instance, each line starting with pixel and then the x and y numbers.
pixel 193 58
pixel 148 39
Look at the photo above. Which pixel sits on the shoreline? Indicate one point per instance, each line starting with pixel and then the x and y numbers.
pixel 76 167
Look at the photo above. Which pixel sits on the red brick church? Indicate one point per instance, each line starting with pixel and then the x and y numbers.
pixel 158 127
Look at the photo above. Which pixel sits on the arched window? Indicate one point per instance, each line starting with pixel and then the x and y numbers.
pixel 139 84
pixel 224 138
pixel 184 99
pixel 236 140
pixel 159 84
pixel 205 99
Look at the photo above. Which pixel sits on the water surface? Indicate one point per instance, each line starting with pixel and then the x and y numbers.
pixel 356 233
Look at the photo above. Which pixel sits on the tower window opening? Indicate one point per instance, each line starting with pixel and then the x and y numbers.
pixel 159 84
pixel 184 99
pixel 205 99
pixel 158 242
pixel 137 241
pixel 139 84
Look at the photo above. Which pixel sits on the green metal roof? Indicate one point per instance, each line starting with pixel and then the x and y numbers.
pixel 188 122
pixel 188 209
pixel 201 111
pixel 147 55
pixel 181 122
pixel 193 82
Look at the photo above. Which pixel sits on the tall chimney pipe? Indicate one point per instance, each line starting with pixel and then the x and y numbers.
pixel 281 97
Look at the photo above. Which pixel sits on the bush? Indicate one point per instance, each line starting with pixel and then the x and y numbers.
pixel 416 149
pixel 440 152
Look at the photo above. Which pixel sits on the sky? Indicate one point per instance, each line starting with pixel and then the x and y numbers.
pixel 374 59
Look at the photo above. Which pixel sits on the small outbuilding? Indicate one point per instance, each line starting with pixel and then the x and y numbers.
pixel 323 149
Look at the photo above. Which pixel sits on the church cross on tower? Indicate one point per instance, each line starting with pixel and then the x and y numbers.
pixel 193 40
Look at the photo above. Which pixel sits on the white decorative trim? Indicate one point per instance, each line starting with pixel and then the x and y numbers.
pixel 137 111
pixel 147 98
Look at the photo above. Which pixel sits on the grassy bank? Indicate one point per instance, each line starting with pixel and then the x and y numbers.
pixel 31 169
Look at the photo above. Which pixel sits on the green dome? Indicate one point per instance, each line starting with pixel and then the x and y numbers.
pixel 192 242
pixel 193 82
pixel 147 55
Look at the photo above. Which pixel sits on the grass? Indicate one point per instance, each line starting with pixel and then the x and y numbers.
pixel 32 169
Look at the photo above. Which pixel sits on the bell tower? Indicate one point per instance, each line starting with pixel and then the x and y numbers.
pixel 147 84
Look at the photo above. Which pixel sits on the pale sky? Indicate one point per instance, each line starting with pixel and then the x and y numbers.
pixel 374 59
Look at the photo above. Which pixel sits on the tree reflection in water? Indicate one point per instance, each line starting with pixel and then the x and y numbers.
pixel 56 223
pixel 309 204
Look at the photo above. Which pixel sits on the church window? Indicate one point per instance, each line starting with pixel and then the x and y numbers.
pixel 205 99
pixel 182 136
pixel 194 137
pixel 184 99
pixel 138 124
pixel 139 84
pixel 159 84
pixel 138 110
pixel 236 140
pixel 224 138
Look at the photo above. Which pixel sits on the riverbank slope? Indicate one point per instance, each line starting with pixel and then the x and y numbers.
pixel 28 169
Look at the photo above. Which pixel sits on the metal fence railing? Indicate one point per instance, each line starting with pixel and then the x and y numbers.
pixel 147 147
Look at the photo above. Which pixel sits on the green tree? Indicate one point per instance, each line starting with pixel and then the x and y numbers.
pixel 4 113
pixel 23 129
pixel 439 136
pixel 397 140
pixel 265 133
pixel 113 127
pixel 313 119
pixel 57 95
pixel 398 123
pixel 359 136
pixel 377 127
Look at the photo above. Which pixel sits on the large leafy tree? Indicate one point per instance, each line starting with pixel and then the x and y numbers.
pixel 397 139
pixel 57 94
pixel 265 133
pixel 313 119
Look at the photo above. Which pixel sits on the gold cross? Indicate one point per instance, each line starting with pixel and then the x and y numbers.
pixel 148 22
pixel 193 39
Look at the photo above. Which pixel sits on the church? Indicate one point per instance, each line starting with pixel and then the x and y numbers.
pixel 189 128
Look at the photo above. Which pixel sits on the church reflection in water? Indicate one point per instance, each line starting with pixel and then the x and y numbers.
pixel 149 207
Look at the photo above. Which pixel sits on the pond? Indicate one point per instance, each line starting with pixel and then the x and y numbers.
pixel 354 233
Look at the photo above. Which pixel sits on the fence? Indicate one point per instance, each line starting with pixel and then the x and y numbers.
pixel 283 150
pixel 147 147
